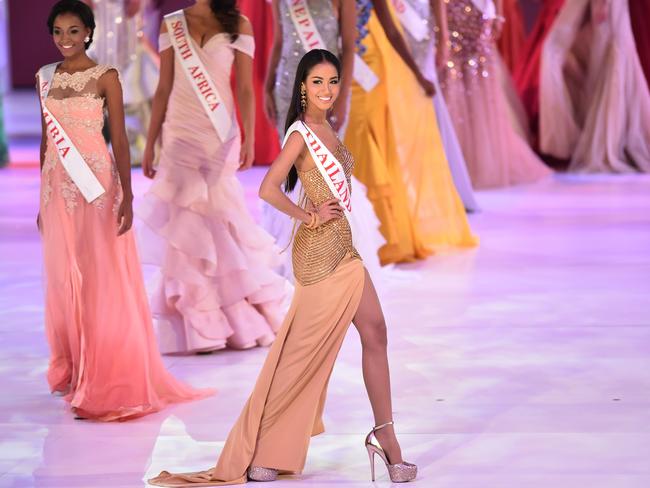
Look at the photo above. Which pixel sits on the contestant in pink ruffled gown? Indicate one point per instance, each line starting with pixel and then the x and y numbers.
pixel 496 150
pixel 594 99
pixel 217 287
pixel 104 355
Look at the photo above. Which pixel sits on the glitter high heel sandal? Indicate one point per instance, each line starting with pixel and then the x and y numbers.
pixel 257 473
pixel 399 473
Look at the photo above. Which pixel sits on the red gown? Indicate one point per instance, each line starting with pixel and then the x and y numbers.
pixel 640 17
pixel 526 72
pixel 513 36
pixel 260 14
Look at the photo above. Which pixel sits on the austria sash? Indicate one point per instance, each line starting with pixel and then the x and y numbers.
pixel 411 20
pixel 329 167
pixel 70 157
pixel 197 74
pixel 311 39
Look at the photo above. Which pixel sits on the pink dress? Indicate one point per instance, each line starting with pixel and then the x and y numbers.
pixel 217 286
pixel 493 142
pixel 103 349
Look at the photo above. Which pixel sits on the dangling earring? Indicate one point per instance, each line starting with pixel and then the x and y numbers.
pixel 87 39
pixel 303 98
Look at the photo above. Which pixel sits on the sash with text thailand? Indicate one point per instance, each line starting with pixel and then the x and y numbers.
pixel 411 20
pixel 311 39
pixel 329 167
pixel 197 74
pixel 70 157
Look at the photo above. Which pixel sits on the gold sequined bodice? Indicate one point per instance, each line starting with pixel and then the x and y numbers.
pixel 317 252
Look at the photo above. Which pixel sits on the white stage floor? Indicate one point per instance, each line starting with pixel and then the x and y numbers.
pixel 525 363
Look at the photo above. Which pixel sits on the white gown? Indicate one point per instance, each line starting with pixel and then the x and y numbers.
pixel 594 100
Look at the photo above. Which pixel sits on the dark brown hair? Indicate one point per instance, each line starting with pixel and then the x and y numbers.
pixel 227 13
pixel 308 61
pixel 74 7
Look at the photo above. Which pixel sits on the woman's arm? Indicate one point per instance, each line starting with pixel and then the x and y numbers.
pixel 271 187
pixel 399 44
pixel 159 106
pixel 109 86
pixel 43 147
pixel 245 99
pixel 499 7
pixel 439 9
pixel 269 84
pixel 348 29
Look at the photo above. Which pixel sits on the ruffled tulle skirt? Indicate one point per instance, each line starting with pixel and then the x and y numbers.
pixel 216 287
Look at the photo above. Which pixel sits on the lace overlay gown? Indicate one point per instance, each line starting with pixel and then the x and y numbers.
pixel 104 355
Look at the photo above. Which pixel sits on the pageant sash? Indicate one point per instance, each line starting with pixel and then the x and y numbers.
pixel 70 157
pixel 328 166
pixel 487 8
pixel 197 74
pixel 311 39
pixel 411 20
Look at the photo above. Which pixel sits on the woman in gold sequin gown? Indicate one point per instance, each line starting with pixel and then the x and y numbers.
pixel 496 151
pixel 333 289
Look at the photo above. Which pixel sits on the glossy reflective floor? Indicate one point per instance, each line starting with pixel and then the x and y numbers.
pixel 525 363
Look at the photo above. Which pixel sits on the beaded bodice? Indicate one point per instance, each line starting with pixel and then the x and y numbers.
pixel 317 252
pixel 470 40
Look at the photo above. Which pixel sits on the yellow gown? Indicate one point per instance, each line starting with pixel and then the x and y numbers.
pixel 394 136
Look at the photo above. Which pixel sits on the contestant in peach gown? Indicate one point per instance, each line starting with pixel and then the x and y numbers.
pixel 594 99
pixel 333 289
pixel 216 286
pixel 104 356
pixel 495 147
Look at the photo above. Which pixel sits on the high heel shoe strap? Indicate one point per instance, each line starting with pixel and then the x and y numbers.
pixel 379 427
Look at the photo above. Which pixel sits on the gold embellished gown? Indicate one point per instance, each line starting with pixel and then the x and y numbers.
pixel 286 406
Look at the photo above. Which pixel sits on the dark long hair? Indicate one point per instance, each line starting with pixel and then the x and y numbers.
pixel 74 7
pixel 308 61
pixel 227 13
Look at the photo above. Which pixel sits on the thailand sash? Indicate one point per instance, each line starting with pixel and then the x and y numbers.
pixel 411 20
pixel 311 39
pixel 197 74
pixel 487 8
pixel 70 157
pixel 329 167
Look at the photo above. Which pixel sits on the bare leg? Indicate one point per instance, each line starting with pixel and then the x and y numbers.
pixel 369 321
